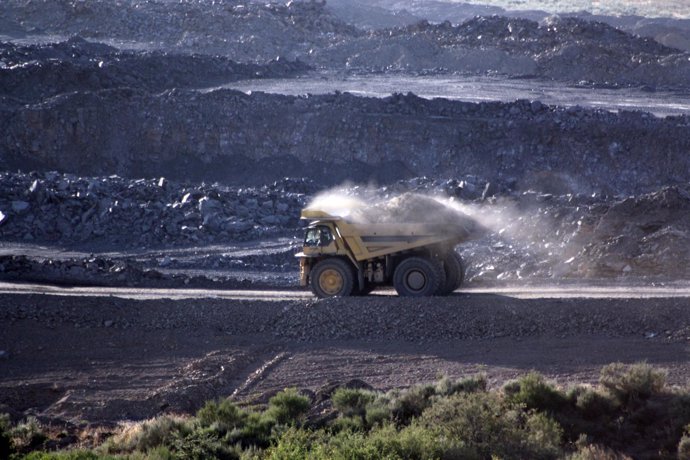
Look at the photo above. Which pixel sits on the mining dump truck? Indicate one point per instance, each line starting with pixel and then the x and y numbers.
pixel 344 258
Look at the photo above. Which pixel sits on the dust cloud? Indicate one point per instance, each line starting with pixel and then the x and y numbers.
pixel 371 206
pixel 504 238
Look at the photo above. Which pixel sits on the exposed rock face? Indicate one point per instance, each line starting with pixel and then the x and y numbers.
pixel 232 137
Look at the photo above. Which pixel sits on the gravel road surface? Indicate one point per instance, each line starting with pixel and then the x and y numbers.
pixel 104 357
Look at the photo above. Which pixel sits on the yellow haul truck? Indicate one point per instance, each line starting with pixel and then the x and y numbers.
pixel 343 258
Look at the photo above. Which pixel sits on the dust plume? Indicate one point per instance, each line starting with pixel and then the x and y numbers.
pixel 506 238
pixel 376 207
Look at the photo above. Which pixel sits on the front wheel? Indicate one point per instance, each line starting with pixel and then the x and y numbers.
pixel 418 277
pixel 332 277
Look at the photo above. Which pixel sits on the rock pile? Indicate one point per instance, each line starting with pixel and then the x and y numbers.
pixel 104 271
pixel 564 48
pixel 244 30
pixel 31 73
pixel 65 209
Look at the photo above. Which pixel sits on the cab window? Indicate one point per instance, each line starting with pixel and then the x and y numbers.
pixel 318 236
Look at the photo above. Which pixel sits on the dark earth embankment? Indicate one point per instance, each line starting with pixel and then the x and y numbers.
pixel 232 137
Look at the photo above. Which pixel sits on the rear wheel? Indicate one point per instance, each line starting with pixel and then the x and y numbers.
pixel 332 277
pixel 455 273
pixel 418 277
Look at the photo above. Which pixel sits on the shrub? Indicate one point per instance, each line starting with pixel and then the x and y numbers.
pixel 411 403
pixel 487 426
pixel 146 436
pixel 631 383
pixel 544 435
pixel 592 404
pixel 223 416
pixel 288 407
pixel 28 435
pixel 70 455
pixel 385 442
pixel 447 387
pixel 6 445
pixel 378 411
pixel 200 445
pixel 292 444
pixel 532 391
pixel 352 402
pixel 684 445
pixel 348 424
pixel 596 452
pixel 256 431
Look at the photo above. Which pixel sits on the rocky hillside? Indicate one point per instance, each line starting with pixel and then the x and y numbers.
pixel 236 138
pixel 564 49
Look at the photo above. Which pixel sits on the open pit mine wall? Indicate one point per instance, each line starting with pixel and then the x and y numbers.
pixel 233 137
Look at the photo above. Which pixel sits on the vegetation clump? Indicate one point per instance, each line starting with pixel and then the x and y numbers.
pixel 632 413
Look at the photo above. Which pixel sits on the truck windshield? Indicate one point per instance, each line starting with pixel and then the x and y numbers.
pixel 318 236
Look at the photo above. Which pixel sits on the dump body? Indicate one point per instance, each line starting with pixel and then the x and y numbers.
pixel 365 241
pixel 373 250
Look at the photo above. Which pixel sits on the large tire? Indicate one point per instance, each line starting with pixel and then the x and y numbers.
pixel 418 277
pixel 455 273
pixel 332 277
pixel 461 272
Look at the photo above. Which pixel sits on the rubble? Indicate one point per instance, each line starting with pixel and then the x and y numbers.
pixel 33 73
pixel 567 49
pixel 104 271
pixel 63 208
pixel 246 31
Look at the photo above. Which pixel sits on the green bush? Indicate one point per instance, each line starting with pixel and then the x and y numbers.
pixel 488 426
pixel 378 412
pixel 293 444
pixel 631 383
pixel 411 403
pixel 385 442
pixel 593 405
pixel 288 407
pixel 69 455
pixel 348 424
pixel 596 452
pixel 223 416
pixel 200 445
pixel 534 393
pixel 28 434
pixel 684 445
pixel 6 444
pixel 256 431
pixel 146 436
pixel 447 387
pixel 352 402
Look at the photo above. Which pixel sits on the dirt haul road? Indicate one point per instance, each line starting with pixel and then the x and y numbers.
pixel 104 356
